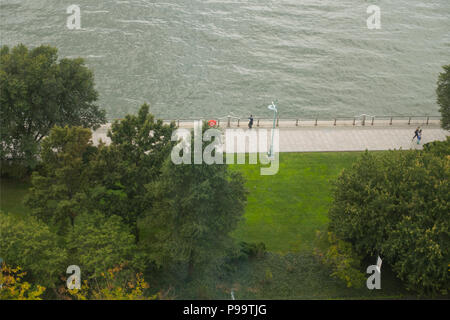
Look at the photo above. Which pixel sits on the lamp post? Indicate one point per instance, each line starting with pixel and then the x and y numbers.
pixel 275 111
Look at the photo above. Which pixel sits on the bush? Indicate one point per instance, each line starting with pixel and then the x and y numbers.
pixel 340 256
pixel 12 286
pixel 253 250
pixel 438 148
pixel 31 245
pixel 397 204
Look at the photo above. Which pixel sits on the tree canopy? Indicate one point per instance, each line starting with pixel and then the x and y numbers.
pixel 397 205
pixel 58 191
pixel 98 200
pixel 192 210
pixel 118 172
pixel 77 177
pixel 38 91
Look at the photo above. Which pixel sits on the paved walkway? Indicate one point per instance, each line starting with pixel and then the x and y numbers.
pixel 344 138
pixel 355 139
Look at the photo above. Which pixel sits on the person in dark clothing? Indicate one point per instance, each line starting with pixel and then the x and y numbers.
pixel 250 122
pixel 419 136
pixel 416 134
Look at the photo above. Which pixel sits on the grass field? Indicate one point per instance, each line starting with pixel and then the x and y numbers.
pixel 285 210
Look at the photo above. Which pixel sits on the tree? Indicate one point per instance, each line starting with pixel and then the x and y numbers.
pixel 39 92
pixel 119 172
pixel 397 205
pixel 30 244
pixel 98 243
pixel 75 177
pixel 192 210
pixel 443 96
pixel 59 188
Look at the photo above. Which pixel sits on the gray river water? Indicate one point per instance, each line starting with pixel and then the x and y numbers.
pixel 193 58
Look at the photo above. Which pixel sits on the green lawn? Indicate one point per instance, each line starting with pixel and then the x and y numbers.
pixel 285 210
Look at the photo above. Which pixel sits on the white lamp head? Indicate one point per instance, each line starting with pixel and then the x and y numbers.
pixel 273 107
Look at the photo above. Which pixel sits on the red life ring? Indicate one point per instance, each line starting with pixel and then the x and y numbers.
pixel 212 123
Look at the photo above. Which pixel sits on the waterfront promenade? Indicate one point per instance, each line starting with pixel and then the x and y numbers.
pixel 344 136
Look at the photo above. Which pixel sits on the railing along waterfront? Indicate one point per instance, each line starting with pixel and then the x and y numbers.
pixel 362 120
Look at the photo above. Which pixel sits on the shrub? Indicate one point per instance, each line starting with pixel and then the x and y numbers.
pixel 340 256
pixel 397 204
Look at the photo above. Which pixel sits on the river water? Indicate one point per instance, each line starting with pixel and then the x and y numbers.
pixel 193 58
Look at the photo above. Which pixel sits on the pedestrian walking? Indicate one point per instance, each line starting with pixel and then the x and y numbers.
pixel 250 122
pixel 419 136
pixel 416 134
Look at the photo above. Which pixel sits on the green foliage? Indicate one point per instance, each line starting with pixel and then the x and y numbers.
pixel 438 148
pixel 119 172
pixel 97 244
pixel 194 207
pixel 253 250
pixel 31 244
pixel 236 254
pixel 340 256
pixel 39 92
pixel 59 188
pixel 397 204
pixel 76 177
pixel 12 194
pixel 269 276
pixel 443 96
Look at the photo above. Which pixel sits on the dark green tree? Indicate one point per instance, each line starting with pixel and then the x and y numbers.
pixel 38 92
pixel 59 189
pixel 77 177
pixel 443 96
pixel 192 210
pixel 397 205
pixel 119 172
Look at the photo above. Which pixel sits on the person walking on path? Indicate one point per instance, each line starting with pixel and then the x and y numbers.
pixel 416 134
pixel 250 122
pixel 419 136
